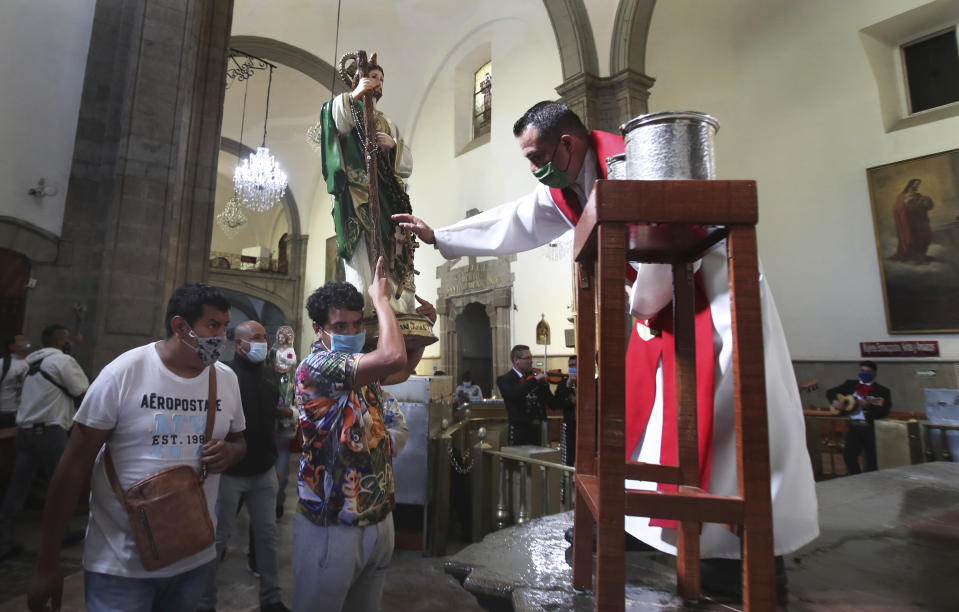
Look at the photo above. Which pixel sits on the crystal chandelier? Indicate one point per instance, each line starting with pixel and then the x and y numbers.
pixel 232 219
pixel 259 182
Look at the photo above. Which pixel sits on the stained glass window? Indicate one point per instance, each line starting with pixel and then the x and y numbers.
pixel 482 99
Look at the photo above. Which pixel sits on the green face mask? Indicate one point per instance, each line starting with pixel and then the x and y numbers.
pixel 551 176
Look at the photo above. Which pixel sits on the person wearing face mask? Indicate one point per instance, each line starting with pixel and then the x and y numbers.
pixel 53 380
pixel 564 157
pixel 253 478
pixel 149 408
pixel 468 392
pixel 343 528
pixel 871 401
pixel 13 369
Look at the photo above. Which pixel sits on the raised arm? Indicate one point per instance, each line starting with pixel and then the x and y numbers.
pixel 389 356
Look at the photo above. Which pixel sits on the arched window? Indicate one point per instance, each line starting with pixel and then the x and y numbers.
pixel 482 99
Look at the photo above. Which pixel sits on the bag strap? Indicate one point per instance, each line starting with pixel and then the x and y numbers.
pixel 211 404
pixel 210 420
pixel 37 368
pixel 6 366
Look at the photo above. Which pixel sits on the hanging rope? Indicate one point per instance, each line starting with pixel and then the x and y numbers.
pixel 269 86
pixel 336 43
pixel 239 144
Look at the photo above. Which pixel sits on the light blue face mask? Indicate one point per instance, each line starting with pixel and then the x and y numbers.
pixel 257 352
pixel 347 343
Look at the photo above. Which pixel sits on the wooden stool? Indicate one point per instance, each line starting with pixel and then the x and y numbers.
pixel 673 222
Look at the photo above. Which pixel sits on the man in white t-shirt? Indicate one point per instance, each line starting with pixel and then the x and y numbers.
pixel 148 406
pixel 51 385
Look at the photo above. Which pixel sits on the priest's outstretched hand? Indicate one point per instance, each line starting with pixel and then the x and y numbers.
pixel 416 225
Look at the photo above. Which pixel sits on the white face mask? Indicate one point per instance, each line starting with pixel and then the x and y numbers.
pixel 257 352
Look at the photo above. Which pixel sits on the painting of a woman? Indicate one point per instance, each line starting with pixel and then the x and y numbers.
pixel 911 214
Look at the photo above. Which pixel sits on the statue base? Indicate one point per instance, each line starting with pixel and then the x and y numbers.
pixel 417 331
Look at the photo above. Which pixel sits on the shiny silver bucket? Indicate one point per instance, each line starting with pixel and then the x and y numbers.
pixel 670 145
pixel 616 167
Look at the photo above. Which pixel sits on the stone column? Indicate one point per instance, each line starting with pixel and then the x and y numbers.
pixel 296 256
pixel 502 305
pixel 605 103
pixel 139 207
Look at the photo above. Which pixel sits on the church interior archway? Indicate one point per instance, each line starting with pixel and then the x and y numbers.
pixel 475 346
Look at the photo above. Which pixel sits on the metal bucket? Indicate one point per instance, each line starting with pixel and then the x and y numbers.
pixel 670 145
pixel 616 167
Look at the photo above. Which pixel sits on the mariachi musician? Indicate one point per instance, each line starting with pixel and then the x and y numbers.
pixel 526 395
pixel 864 400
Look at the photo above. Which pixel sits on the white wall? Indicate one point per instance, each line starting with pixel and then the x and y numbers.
pixel 443 186
pixel 799 112
pixel 43 54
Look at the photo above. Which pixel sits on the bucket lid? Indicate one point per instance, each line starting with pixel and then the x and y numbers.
pixel 669 117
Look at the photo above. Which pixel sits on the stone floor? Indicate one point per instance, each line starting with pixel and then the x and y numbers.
pixel 414 583
pixel 890 541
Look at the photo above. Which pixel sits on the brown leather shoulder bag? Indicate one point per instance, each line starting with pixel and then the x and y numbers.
pixel 167 510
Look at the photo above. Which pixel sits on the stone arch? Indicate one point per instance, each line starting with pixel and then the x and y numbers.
pixel 228 145
pixel 294 57
pixel 236 281
pixel 630 31
pixel 34 242
pixel 574 37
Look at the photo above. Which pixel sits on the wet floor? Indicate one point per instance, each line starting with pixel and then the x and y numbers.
pixel 889 541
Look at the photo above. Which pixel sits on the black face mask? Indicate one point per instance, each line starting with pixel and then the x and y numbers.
pixel 66 348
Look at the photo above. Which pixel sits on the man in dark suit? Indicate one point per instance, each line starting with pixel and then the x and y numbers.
pixel 871 401
pixel 526 396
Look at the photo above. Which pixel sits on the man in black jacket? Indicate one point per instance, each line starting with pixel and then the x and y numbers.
pixel 253 478
pixel 869 401
pixel 526 396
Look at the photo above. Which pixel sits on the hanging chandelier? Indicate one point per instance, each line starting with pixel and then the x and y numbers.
pixel 232 219
pixel 258 181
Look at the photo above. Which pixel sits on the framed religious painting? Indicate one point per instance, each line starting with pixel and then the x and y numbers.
pixel 915 211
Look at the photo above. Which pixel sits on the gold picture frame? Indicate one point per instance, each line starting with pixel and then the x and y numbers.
pixel 915 211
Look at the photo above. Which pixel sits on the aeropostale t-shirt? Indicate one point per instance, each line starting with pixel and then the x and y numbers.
pixel 158 421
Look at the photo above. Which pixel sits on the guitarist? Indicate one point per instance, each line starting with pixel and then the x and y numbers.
pixel 871 401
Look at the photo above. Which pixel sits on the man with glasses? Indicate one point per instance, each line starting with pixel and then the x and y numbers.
pixel 526 395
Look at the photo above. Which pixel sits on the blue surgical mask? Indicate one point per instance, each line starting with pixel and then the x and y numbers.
pixel 257 352
pixel 572 370
pixel 866 377
pixel 347 343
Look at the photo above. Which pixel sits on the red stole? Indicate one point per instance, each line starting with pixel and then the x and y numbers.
pixel 642 359
pixel 604 145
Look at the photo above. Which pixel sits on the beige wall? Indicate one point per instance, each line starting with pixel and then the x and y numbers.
pixel 794 92
pixel 444 186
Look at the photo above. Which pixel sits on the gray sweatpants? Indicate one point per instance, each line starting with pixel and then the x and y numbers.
pixel 340 567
